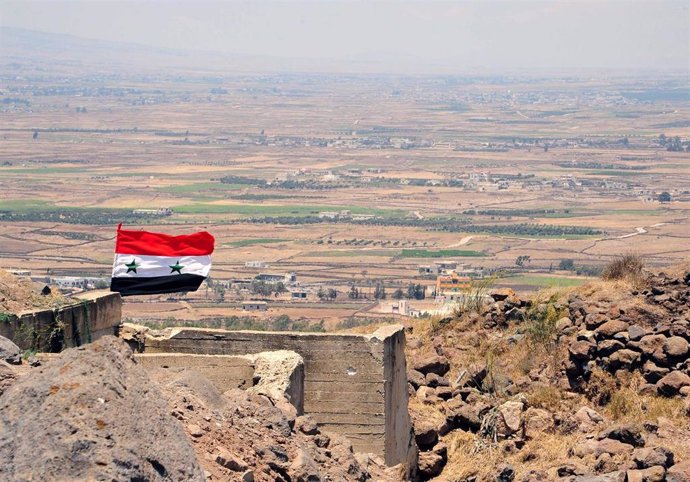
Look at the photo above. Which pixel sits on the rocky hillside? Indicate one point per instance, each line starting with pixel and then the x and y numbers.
pixel 92 413
pixel 591 384
pixel 19 294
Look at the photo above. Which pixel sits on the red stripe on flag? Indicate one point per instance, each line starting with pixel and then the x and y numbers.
pixel 159 244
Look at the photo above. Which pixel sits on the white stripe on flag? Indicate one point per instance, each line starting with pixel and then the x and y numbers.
pixel 149 266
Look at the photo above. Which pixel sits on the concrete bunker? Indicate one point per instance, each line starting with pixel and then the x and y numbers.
pixel 354 385
pixel 88 317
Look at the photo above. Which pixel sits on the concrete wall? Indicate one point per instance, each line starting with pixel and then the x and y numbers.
pixel 94 315
pixel 355 385
pixel 224 371
pixel 275 374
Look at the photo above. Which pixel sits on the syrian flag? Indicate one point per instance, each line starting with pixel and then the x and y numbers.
pixel 152 263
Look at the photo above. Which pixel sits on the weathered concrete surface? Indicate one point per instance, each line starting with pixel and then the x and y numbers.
pixel 279 374
pixel 354 385
pixel 224 371
pixel 276 374
pixel 96 314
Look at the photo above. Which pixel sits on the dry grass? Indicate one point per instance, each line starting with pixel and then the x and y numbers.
pixel 628 405
pixel 628 267
pixel 471 455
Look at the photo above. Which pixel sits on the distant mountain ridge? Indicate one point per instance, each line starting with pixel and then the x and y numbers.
pixel 22 45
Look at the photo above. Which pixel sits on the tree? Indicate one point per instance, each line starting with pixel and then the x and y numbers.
pixel 665 197
pixel 380 292
pixel 566 264
pixel 674 144
pixel 410 291
pixel 321 294
pixel 419 292
pixel 280 287
pixel 332 293
pixel 353 294
pixel 398 294
pixel 35 136
pixel 101 284
pixel 521 260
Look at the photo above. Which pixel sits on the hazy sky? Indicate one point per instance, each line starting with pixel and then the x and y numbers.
pixel 399 35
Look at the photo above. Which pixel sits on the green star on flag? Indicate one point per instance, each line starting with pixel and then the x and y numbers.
pixel 176 268
pixel 132 266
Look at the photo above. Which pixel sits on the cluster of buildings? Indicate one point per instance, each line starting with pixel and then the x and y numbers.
pixel 66 284
pixel 345 214
pixel 153 212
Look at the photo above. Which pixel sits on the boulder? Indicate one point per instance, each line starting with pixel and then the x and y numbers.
pixel 617 476
pixel 444 393
pixel 427 395
pixel 473 377
pixel 653 372
pixel 611 447
pixel 416 378
pixel 679 472
pixel 92 414
pixel 671 384
pixel 304 469
pixel 593 320
pixel 676 347
pixel 537 420
pixel 582 350
pixel 588 416
pixel 433 380
pixel 651 474
pixel 649 457
pixel 7 376
pixel 608 346
pixel 623 359
pixel 433 364
pixel 306 425
pixel 229 460
pixel 610 328
pixel 626 433
pixel 430 464
pixel 467 417
pixel 651 343
pixel 636 332
pixel 563 324
pixel 10 352
pixel 425 434
pixel 510 420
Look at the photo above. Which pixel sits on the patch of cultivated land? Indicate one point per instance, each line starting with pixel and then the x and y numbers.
pixel 448 171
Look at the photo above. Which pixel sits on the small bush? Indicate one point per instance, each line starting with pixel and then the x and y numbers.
pixel 627 267
pixel 474 297
pixel 541 321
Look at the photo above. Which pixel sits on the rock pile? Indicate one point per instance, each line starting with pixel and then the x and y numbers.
pixel 91 414
pixel 650 335
pixel 643 333
pixel 19 294
pixel 243 436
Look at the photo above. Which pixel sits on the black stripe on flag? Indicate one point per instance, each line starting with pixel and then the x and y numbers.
pixel 156 285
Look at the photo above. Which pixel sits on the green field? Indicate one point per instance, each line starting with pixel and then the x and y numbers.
pixel 544 281
pixel 201 188
pixel 250 242
pixel 275 210
pixel 43 170
pixel 24 205
pixel 351 253
pixel 441 253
